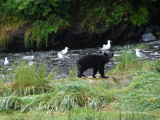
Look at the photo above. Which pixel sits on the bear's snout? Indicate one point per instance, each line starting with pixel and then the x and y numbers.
pixel 110 60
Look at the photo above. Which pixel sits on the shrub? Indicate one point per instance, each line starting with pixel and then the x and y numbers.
pixel 42 29
pixel 140 16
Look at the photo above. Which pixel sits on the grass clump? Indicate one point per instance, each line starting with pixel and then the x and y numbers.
pixel 144 90
pixel 70 95
pixel 63 98
pixel 90 114
pixel 126 61
pixel 79 114
pixel 143 46
pixel 26 80
pixel 141 93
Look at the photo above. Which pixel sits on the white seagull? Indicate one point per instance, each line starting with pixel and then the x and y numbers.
pixel 30 64
pixel 61 56
pixel 139 54
pixel 28 57
pixel 6 62
pixel 64 52
pixel 106 47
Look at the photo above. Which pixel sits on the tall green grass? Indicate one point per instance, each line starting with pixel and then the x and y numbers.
pixel 142 91
pixel 85 98
pixel 26 80
pixel 79 114
pixel 126 61
pixel 90 114
pixel 63 98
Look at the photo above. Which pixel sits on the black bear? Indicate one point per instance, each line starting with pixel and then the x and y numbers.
pixel 97 62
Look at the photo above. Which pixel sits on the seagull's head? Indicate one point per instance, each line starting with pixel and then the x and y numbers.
pixel 59 53
pixel 66 48
pixel 109 41
pixel 137 50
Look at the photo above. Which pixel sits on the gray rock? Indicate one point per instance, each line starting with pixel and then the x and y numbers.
pixel 148 37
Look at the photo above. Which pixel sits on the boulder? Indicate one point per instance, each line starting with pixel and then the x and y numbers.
pixel 148 37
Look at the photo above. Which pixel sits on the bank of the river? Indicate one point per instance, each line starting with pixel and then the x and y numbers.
pixel 49 58
pixel 131 92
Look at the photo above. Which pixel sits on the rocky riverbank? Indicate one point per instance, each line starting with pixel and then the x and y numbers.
pixel 49 58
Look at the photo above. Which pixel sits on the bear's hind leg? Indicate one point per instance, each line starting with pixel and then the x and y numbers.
pixel 95 72
pixel 80 72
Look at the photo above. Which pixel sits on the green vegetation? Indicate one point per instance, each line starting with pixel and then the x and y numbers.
pixel 140 16
pixel 78 114
pixel 158 34
pixel 25 80
pixel 42 18
pixel 143 46
pixel 132 92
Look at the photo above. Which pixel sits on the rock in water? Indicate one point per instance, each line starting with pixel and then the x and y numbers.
pixel 28 58
pixel 148 37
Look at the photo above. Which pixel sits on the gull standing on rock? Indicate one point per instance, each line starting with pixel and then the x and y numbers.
pixel 106 47
pixel 65 51
pixel 61 56
pixel 139 54
pixel 6 62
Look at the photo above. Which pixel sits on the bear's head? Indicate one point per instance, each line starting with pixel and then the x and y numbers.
pixel 108 56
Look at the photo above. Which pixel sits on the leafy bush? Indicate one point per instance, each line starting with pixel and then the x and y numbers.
pixel 139 17
pixel 118 14
pixel 41 30
pixel 95 18
pixel 52 15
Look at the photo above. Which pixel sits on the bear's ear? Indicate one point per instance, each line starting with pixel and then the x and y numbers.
pixel 105 54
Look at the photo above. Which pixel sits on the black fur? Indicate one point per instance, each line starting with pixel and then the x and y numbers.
pixel 97 62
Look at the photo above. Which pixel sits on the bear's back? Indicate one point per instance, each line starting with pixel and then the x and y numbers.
pixel 91 61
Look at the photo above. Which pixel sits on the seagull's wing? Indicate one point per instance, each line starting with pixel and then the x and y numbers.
pixel 143 55
pixel 64 52
pixel 104 47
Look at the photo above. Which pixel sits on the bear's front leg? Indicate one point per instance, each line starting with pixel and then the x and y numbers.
pixel 101 71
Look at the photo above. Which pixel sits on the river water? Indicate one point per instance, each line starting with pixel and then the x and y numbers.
pixel 49 58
